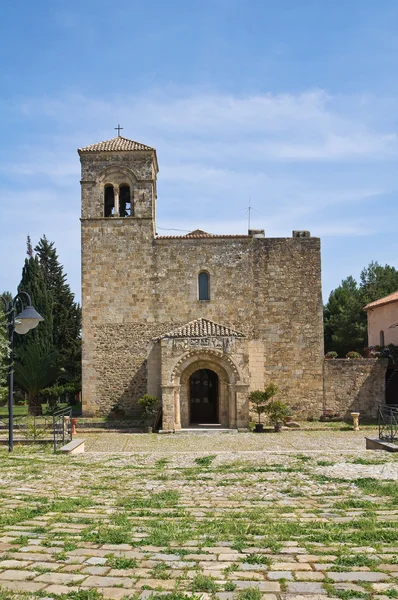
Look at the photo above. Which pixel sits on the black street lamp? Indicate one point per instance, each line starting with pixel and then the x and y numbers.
pixel 26 320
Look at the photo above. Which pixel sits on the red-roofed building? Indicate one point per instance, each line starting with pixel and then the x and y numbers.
pixel 383 321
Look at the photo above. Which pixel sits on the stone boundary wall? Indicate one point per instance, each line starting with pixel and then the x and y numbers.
pixel 352 385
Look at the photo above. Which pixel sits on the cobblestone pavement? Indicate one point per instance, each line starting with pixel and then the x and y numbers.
pixel 297 515
pixel 289 441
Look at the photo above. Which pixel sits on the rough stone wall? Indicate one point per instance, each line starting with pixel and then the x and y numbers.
pixel 354 385
pixel 136 287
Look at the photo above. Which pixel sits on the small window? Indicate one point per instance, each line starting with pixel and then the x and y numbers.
pixel 204 288
pixel 382 338
pixel 125 208
pixel 109 201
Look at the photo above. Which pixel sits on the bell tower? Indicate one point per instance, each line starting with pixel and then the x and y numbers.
pixel 118 180
pixel 118 220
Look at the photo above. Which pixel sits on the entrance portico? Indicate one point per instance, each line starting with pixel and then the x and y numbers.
pixel 204 378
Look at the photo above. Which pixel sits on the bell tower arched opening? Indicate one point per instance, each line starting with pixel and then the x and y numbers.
pixel 109 201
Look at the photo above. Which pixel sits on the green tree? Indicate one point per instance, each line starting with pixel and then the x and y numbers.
pixel 33 372
pixel 259 399
pixel 377 281
pixel 66 312
pixel 345 320
pixel 33 282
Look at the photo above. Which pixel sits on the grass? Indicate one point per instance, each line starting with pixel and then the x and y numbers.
pixel 251 593
pixel 354 503
pixel 205 461
pixel 160 571
pixel 107 535
pixel 21 410
pixel 204 583
pixel 369 485
pixel 121 562
pixel 257 559
pixel 360 460
pixel 166 499
pixel 355 560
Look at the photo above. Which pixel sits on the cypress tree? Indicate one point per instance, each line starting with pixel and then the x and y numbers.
pixel 66 312
pixel 33 282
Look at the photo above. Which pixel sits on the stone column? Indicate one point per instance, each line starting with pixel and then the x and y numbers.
pixel 168 407
pixel 232 404
pixel 242 405
pixel 177 408
pixel 116 196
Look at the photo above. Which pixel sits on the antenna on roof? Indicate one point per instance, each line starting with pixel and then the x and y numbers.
pixel 249 210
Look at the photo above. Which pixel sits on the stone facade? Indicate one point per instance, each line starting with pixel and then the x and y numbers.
pixel 138 286
pixel 354 385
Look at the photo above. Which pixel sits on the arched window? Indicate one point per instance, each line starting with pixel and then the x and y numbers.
pixel 382 338
pixel 125 208
pixel 204 286
pixel 109 201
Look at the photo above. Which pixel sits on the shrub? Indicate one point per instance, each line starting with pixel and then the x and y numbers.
pixel 149 405
pixel 277 411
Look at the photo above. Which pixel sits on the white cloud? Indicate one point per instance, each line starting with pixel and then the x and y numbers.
pixel 307 126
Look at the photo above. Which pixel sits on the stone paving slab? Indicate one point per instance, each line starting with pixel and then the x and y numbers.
pixel 273 513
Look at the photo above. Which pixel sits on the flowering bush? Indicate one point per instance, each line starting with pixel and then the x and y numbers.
pixel 353 354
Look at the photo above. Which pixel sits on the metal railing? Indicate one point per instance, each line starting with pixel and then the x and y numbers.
pixel 388 423
pixel 55 427
pixel 62 426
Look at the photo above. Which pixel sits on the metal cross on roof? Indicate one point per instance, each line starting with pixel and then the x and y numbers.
pixel 118 128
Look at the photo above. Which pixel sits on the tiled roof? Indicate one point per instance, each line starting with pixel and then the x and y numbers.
pixel 391 298
pixel 202 328
pixel 114 145
pixel 198 234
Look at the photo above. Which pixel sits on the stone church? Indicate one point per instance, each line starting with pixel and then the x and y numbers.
pixel 198 320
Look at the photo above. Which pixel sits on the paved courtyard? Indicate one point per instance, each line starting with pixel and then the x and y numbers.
pixel 305 515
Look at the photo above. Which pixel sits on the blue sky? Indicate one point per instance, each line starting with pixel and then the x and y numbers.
pixel 290 103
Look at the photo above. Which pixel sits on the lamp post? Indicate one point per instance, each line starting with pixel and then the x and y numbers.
pixel 21 323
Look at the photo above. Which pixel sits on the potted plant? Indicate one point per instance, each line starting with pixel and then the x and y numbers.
pixel 259 399
pixel 352 355
pixel 277 412
pixel 149 405
pixel 117 411
pixel 331 355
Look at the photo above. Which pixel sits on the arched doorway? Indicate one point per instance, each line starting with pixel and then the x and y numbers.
pixel 203 397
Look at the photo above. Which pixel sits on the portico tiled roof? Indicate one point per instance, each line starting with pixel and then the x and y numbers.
pixel 117 144
pixel 202 328
pixel 386 300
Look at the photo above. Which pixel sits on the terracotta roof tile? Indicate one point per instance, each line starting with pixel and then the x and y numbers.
pixel 198 236
pixel 117 144
pixel 390 298
pixel 202 328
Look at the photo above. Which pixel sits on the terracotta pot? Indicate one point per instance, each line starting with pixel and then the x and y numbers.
pixel 74 422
